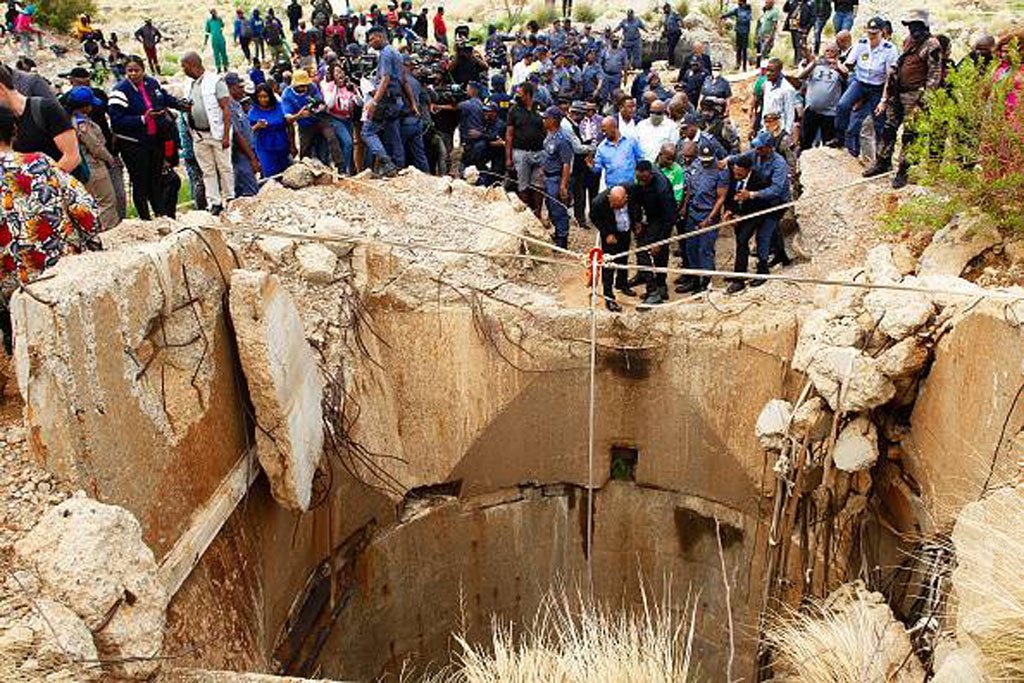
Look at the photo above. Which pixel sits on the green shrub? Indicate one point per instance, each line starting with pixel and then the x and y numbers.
pixel 927 212
pixel 61 14
pixel 544 15
pixel 683 7
pixel 970 146
pixel 585 14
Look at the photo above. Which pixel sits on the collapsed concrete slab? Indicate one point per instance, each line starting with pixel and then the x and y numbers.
pixel 284 382
pixel 91 558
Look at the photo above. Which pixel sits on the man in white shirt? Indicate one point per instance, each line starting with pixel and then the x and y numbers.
pixel 627 117
pixel 653 132
pixel 210 124
pixel 780 96
pixel 522 70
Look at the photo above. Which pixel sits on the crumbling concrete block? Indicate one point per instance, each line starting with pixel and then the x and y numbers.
pixel 956 663
pixel 91 558
pixel 857 445
pixel 899 314
pixel 968 236
pixel 881 265
pixel 812 420
pixel 276 249
pixel 905 360
pixel 316 263
pixel 773 424
pixel 284 384
pixel 849 380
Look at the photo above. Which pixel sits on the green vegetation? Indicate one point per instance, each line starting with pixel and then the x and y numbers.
pixel 921 213
pixel 683 7
pixel 585 14
pixel 971 146
pixel 544 15
pixel 62 14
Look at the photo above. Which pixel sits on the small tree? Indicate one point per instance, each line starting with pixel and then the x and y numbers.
pixel 972 144
pixel 61 14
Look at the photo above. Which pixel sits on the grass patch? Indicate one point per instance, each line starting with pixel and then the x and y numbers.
pixel 585 14
pixel 921 213
pixel 544 15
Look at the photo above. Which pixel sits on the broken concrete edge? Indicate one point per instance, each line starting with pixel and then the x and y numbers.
pixel 285 384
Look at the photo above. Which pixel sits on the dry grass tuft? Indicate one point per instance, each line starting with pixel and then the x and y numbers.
pixel 573 640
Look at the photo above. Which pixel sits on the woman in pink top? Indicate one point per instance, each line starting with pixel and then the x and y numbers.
pixel 25 29
pixel 342 101
pixel 1008 44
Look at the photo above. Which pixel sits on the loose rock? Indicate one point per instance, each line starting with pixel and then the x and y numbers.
pixel 316 263
pixel 773 424
pixel 857 445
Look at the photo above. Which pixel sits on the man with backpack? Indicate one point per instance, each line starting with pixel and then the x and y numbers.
pixel 919 70
pixel 274 35
pixel 243 33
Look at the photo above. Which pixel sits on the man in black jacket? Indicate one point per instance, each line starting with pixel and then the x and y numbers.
pixel 614 216
pixel 654 196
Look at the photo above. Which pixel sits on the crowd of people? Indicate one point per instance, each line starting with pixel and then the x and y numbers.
pixel 573 120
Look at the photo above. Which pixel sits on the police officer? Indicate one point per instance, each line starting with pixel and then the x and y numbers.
pixel 673 31
pixel 590 75
pixel 658 202
pixel 918 72
pixel 411 125
pixel 631 27
pixel 706 189
pixel 566 82
pixel 767 186
pixel 690 131
pixel 613 62
pixel 471 126
pixel 557 166
pixel 382 133
pixel 872 59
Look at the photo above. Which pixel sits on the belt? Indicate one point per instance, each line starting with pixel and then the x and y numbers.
pixel 551 176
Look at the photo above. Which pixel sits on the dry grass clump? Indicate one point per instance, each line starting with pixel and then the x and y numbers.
pixel 850 638
pixel 574 640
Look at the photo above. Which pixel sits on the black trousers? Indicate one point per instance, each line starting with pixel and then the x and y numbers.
pixel 814 123
pixel 615 277
pixel 742 48
pixel 585 186
pixel 673 41
pixel 145 164
pixel 244 44
pixel 657 258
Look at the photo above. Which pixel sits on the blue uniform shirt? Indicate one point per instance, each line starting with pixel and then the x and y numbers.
pixel 471 118
pixel 772 174
pixel 589 78
pixel 557 153
pixel 703 186
pixel 614 61
pixel 872 66
pixel 744 15
pixel 673 23
pixel 390 63
pixel 618 161
pixel 631 30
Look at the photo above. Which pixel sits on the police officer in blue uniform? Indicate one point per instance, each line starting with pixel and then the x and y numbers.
pixel 382 129
pixel 557 166
pixel 613 63
pixel 590 75
pixel 872 59
pixel 705 197
pixel 673 31
pixel 631 37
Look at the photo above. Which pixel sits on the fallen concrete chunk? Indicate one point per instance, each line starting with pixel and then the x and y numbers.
pixel 773 424
pixel 316 263
pixel 968 236
pixel 947 290
pixel 276 249
pixel 881 265
pixel 91 558
pixel 284 384
pixel 857 445
pixel 849 380
pixel 812 420
pixel 298 176
pixel 905 360
pixel 899 313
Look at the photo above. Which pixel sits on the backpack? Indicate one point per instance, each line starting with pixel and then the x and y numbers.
pixel 35 108
pixel 246 31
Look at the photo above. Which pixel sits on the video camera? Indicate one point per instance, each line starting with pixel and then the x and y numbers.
pixel 359 64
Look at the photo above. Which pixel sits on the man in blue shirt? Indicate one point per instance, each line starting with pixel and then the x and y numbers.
pixel 744 15
pixel 382 112
pixel 299 102
pixel 557 165
pixel 616 156
pixel 705 196
pixel 768 185
pixel 590 76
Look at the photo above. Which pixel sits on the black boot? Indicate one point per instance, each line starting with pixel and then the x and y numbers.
pixel 881 165
pixel 762 269
pixel 689 285
pixel 900 180
pixel 736 286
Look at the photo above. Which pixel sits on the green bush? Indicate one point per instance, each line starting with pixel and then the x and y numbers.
pixel 927 212
pixel 544 15
pixel 585 14
pixel 683 7
pixel 970 146
pixel 62 14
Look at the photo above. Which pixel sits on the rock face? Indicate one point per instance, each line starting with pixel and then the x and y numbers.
pixel 91 558
pixel 957 244
pixel 857 445
pixel 284 384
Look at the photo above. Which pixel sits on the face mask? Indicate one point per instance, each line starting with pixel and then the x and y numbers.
pixel 656 119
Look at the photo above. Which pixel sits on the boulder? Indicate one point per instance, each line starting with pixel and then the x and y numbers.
pixel 298 176
pixel 989 539
pixel 284 383
pixel 905 360
pixel 91 558
pixel 899 314
pixel 881 265
pixel 276 249
pixel 849 380
pixel 838 299
pixel 946 290
pixel 773 424
pixel 812 420
pixel 856 447
pixel 316 263
pixel 904 259
pixel 823 329
pixel 968 236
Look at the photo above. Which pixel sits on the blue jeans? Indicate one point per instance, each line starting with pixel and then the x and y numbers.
pixel 245 177
pixel 343 131
pixel 557 211
pixel 848 121
pixel 411 128
pixel 700 250
pixel 819 26
pixel 384 139
pixel 842 21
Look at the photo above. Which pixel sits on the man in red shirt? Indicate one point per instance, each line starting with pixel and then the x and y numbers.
pixel 440 29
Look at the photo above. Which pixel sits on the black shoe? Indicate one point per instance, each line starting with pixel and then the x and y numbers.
pixel 779 261
pixel 878 168
pixel 688 287
pixel 635 280
pixel 627 290
pixel 216 210
pixel 757 283
pixel 900 180
pixel 654 298
pixel 735 287
pixel 612 305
